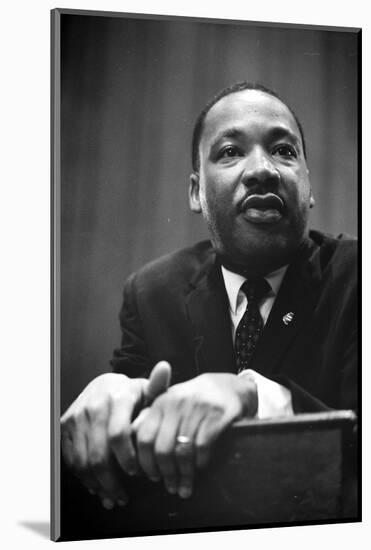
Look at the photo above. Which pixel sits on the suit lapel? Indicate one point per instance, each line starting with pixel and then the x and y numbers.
pixel 297 296
pixel 207 307
pixel 208 311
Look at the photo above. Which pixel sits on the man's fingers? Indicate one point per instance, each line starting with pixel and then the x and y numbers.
pixel 96 433
pixel 145 437
pixel 146 425
pixel 164 448
pixel 119 435
pixel 159 381
pixel 79 447
pixel 81 461
pixel 101 461
pixel 185 459
pixel 75 453
pixel 117 493
pixel 185 450
pixel 67 447
pixel 139 419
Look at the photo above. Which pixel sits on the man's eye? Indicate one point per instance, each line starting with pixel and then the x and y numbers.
pixel 285 151
pixel 229 152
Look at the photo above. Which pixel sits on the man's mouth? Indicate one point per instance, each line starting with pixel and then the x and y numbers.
pixel 268 208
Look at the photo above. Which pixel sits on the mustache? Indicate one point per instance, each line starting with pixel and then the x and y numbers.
pixel 264 201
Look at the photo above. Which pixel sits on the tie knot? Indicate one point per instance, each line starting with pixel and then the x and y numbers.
pixel 255 289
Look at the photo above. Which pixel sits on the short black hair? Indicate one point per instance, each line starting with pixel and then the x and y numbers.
pixel 238 87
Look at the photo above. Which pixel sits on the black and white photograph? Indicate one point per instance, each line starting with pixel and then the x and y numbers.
pixel 205 338
pixel 205 219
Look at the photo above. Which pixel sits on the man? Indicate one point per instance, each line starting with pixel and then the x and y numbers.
pixel 283 342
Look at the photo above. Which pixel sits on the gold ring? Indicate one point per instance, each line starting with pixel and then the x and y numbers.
pixel 183 440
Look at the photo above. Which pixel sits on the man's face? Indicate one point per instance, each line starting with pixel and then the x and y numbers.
pixel 252 187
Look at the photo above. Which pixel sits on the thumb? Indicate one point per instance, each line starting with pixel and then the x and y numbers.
pixel 159 381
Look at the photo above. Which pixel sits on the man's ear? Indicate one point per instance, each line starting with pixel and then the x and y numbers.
pixel 312 202
pixel 194 193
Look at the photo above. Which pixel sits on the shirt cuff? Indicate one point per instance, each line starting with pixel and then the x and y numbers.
pixel 274 400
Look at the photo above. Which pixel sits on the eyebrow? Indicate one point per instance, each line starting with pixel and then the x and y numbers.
pixel 281 132
pixel 232 133
pixel 276 132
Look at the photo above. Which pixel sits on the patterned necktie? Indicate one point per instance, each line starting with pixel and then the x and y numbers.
pixel 251 324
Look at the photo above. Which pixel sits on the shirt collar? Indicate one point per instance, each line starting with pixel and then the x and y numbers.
pixel 233 282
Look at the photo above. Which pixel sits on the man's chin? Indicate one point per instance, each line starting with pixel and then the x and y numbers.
pixel 259 256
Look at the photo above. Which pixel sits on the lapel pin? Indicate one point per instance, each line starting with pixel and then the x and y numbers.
pixel 288 318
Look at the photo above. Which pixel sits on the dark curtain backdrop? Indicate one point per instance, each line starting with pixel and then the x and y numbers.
pixel 131 90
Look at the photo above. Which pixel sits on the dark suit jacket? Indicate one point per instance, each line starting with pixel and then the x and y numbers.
pixel 176 309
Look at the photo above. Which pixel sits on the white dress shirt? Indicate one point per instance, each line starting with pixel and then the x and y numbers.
pixel 273 399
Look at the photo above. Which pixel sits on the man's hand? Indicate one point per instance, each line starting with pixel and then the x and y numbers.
pixel 175 435
pixel 96 430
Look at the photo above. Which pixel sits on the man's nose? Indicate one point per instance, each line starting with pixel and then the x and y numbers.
pixel 260 169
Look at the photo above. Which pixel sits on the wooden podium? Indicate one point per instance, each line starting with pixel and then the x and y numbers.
pixel 263 473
